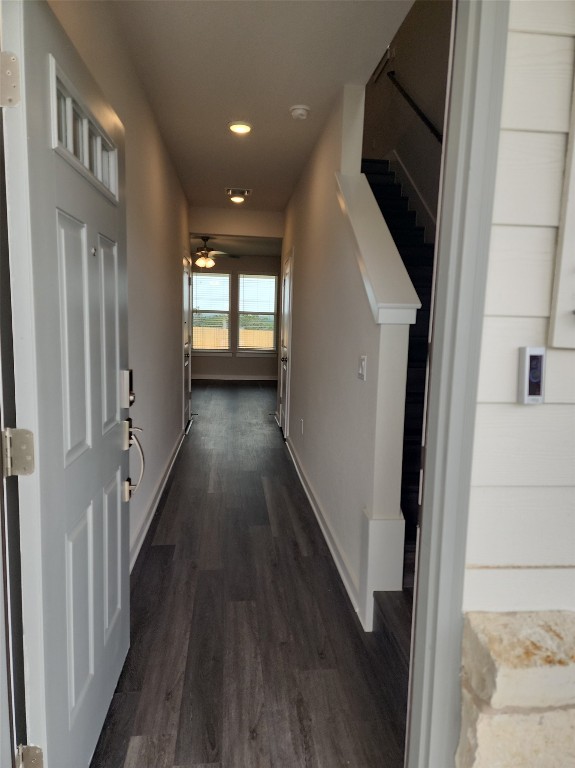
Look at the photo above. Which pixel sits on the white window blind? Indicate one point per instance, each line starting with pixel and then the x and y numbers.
pixel 257 307
pixel 211 311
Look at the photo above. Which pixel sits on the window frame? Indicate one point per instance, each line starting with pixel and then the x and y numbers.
pixel 222 351
pixel 254 350
pixel 234 271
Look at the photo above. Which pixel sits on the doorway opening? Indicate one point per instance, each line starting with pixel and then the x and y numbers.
pixel 402 160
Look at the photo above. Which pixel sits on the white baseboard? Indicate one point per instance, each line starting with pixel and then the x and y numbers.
pixel 231 377
pixel 329 536
pixel 135 549
pixel 425 216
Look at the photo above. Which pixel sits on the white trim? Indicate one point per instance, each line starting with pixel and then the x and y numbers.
pixel 424 214
pixel 382 542
pixel 562 322
pixel 231 377
pixel 389 289
pixel 337 552
pixel 137 545
pixel 466 213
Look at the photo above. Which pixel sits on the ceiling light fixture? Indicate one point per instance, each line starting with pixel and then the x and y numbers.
pixel 299 111
pixel 237 195
pixel 205 253
pixel 240 127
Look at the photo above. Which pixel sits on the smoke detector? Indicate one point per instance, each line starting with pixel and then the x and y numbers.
pixel 299 111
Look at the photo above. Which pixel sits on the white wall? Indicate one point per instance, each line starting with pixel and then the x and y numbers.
pixel 521 538
pixel 332 325
pixel 157 233
pixel 236 221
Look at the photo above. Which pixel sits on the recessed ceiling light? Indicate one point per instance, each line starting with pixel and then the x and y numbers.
pixel 237 199
pixel 239 126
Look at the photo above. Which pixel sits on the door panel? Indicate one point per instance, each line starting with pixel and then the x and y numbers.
pixel 67 236
pixel 74 334
pixel 110 337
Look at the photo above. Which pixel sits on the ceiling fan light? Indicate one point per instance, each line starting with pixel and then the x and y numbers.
pixel 239 127
pixel 209 262
pixel 201 262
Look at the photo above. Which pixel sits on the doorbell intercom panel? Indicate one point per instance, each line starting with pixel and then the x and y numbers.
pixel 531 381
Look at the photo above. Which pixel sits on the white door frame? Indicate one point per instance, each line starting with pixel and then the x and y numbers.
pixel 284 381
pixel 187 354
pixel 466 207
pixel 7 750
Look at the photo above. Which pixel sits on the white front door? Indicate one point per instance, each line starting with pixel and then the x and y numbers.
pixel 64 174
pixel 285 344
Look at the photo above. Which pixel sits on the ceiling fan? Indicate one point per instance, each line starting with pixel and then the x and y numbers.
pixel 204 255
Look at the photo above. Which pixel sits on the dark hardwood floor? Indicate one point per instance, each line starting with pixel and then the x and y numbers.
pixel 245 650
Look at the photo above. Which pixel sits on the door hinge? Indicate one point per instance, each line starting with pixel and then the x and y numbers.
pixel 9 79
pixel 29 757
pixel 17 452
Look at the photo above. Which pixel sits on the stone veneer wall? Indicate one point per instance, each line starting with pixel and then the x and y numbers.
pixel 518 682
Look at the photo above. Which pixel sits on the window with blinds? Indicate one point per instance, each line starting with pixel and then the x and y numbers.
pixel 257 312
pixel 211 311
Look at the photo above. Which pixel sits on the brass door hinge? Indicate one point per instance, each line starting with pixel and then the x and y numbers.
pixel 17 452
pixel 29 757
pixel 9 79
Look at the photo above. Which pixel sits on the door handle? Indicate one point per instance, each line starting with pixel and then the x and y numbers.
pixel 128 486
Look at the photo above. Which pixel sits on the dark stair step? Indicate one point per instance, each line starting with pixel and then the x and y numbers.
pixel 393 205
pixel 418 253
pixel 391 641
pixel 408 237
pixel 399 221
pixel 416 366
pixel 392 624
pixel 383 178
pixel 374 166
pixel 385 192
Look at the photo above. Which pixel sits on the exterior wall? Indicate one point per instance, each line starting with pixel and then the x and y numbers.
pixel 518 664
pixel 157 233
pixel 242 365
pixel 521 536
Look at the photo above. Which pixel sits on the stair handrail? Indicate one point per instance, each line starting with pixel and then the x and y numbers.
pixel 416 108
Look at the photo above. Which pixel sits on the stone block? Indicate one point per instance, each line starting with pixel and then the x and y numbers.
pixel 521 659
pixel 530 739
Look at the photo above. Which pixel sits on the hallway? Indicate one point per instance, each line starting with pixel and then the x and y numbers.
pixel 245 651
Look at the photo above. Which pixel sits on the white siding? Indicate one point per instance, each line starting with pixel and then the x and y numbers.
pixel 521 537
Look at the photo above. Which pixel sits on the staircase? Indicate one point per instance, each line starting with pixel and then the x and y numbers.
pixel 393 610
pixel 418 259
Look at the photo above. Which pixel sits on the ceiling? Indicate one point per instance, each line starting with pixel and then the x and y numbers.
pixel 204 63
pixel 239 245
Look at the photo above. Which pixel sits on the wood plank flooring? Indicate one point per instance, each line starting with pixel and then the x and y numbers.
pixel 245 651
